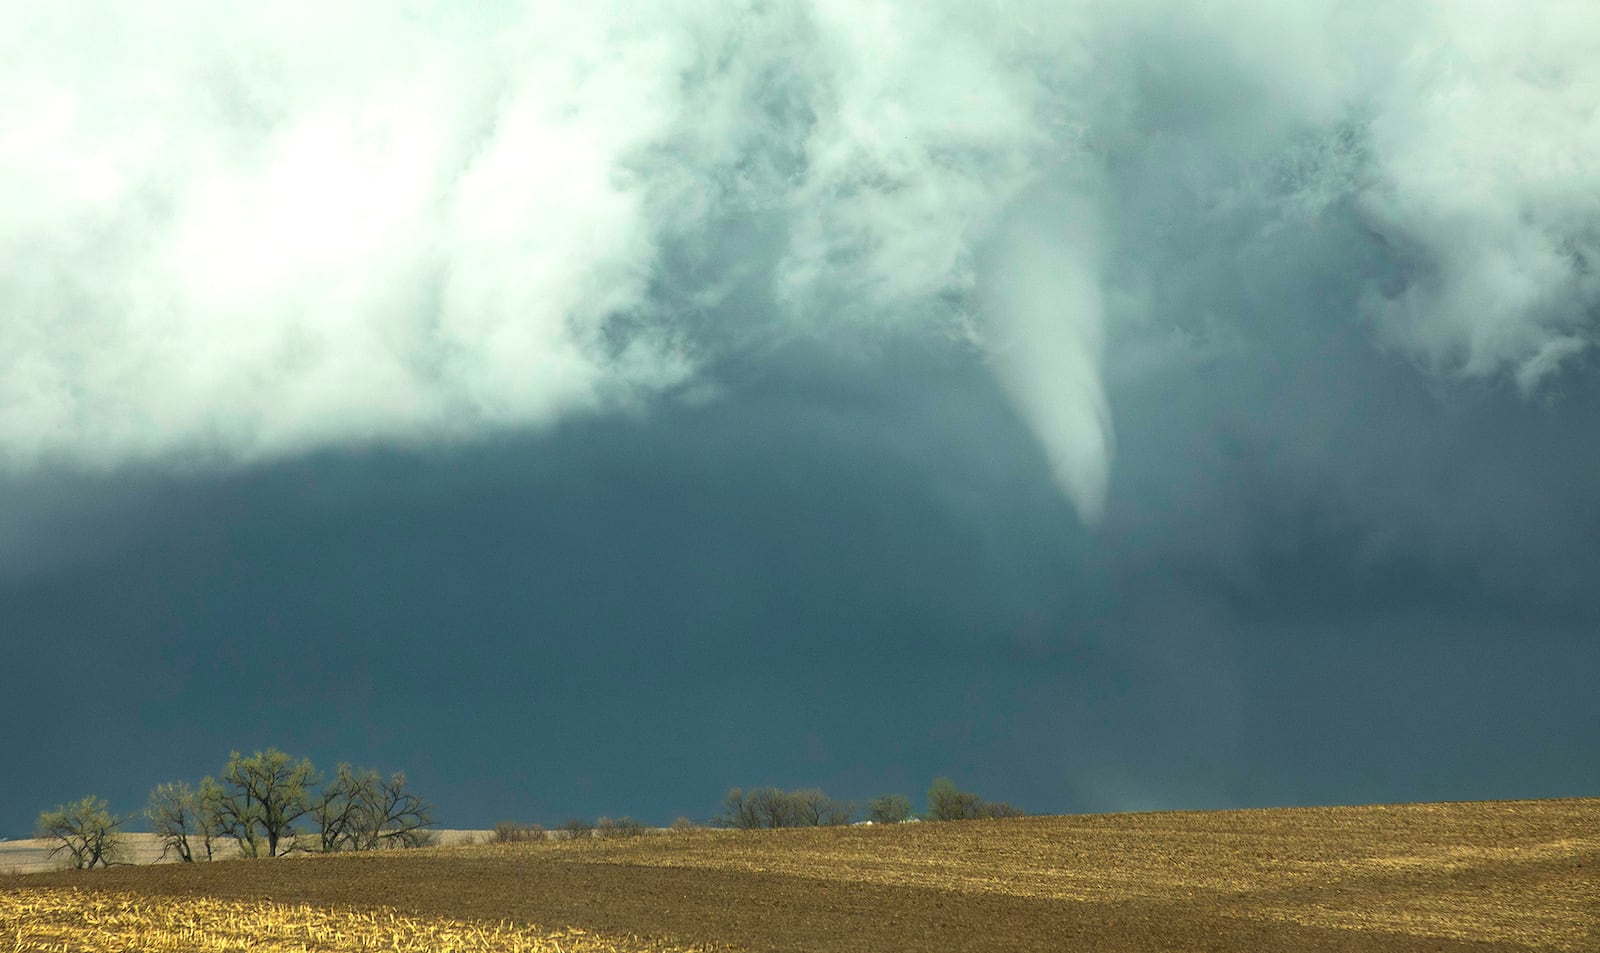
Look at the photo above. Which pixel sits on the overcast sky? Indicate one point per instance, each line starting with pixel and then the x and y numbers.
pixel 591 407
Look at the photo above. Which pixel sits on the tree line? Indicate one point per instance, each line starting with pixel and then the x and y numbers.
pixel 769 807
pixel 256 805
pixel 259 804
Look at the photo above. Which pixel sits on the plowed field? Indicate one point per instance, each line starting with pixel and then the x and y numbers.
pixel 1508 876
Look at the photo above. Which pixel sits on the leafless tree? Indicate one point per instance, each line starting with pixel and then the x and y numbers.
pixel 813 808
pixel 179 814
pixel 338 810
pixel 513 832
pixel 209 799
pixel 990 810
pixel 361 810
pixel 397 817
pixel 946 802
pixel 612 828
pixel 577 828
pixel 739 811
pixel 772 807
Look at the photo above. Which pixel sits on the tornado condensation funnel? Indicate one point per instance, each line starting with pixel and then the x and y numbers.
pixel 1040 291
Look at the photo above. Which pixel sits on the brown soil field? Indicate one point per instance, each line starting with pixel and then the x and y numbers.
pixel 1487 876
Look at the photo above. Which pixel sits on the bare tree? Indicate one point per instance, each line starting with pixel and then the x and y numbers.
pixel 395 817
pixel 577 828
pixel 946 802
pixel 86 830
pixel 813 808
pixel 515 832
pixel 338 811
pixel 772 807
pixel 610 828
pixel 178 814
pixel 739 811
pixel 209 798
pixel 360 810
pixel 262 798
pixel 990 810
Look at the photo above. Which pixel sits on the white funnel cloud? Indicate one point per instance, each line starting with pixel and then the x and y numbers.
pixel 1042 300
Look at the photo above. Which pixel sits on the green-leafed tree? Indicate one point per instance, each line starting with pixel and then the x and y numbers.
pixel 889 809
pixel 85 830
pixel 262 796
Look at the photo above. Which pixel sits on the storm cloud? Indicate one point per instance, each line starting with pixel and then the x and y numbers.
pixel 234 234
pixel 1117 404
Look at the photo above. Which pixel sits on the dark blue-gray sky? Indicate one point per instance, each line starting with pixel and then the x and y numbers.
pixel 1108 406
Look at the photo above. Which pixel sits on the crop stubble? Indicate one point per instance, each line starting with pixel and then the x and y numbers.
pixel 96 921
pixel 1488 876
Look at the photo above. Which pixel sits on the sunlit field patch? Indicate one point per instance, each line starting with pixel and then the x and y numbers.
pixel 80 921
